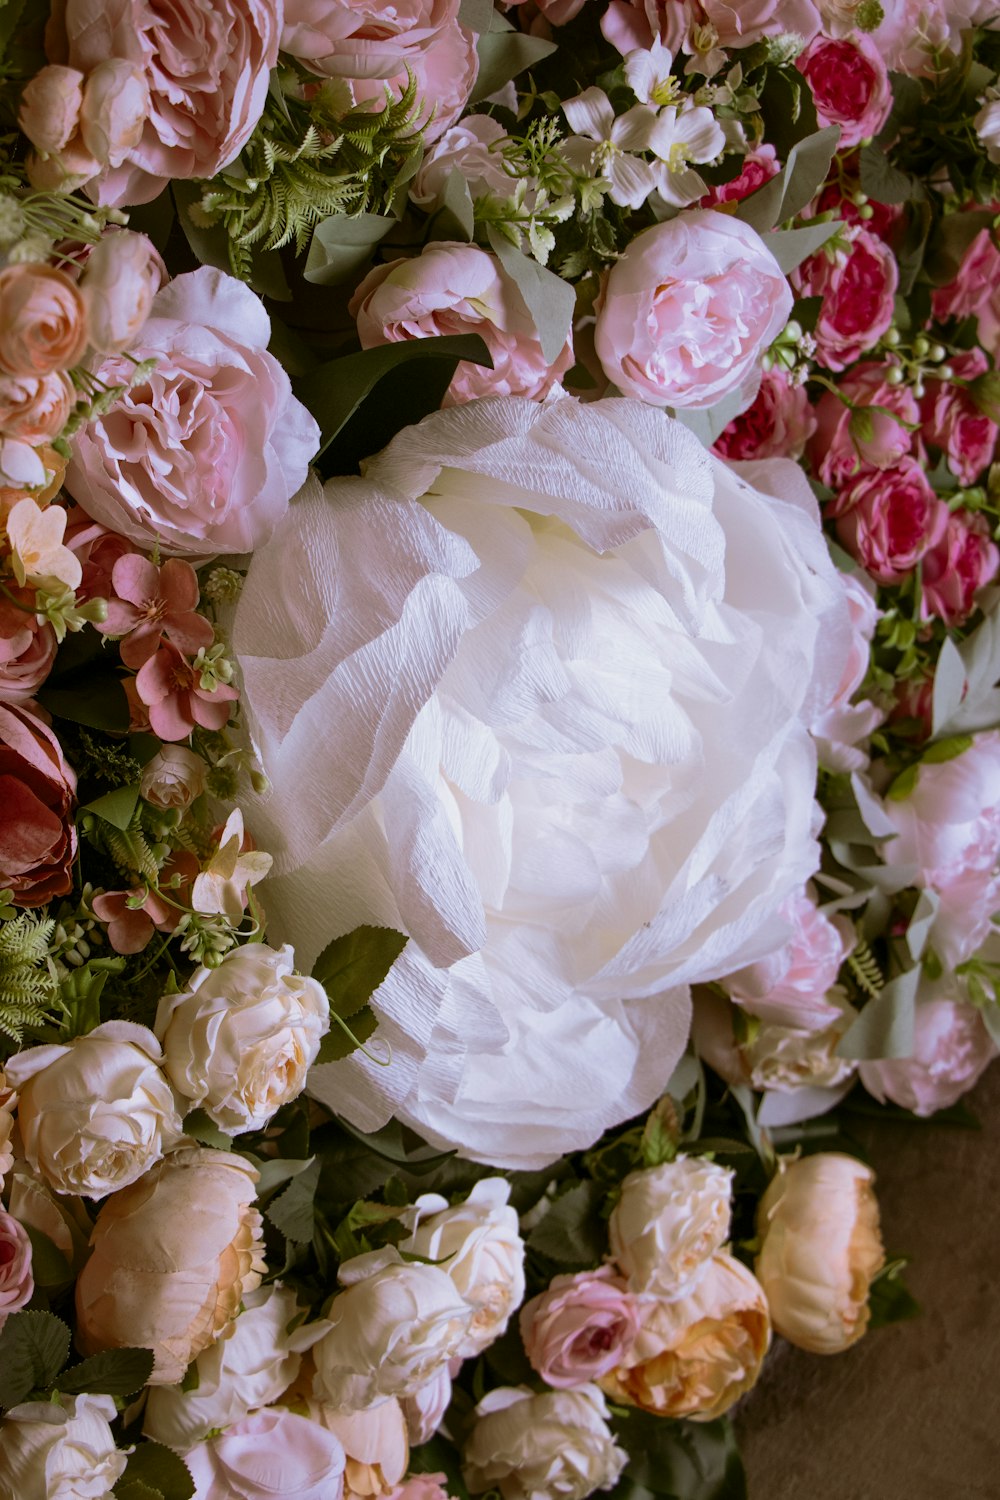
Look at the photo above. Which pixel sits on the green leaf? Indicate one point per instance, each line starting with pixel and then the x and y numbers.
pixel 477 15
pixel 115 807
pixel 885 182
pixel 438 1456
pixel 34 1346
pixel 502 56
pixel 889 1299
pixel 49 1266
pixel 205 1131
pixel 411 379
pixel 293 1211
pixel 115 1372
pixel 159 1469
pixel 885 1026
pixel 790 247
pixel 136 1489
pixel 340 1043
pixel 278 1170
pixel 97 700
pixel 352 967
pixel 154 219
pixel 952 238
pixel 210 247
pixel 454 217
pixel 572 1232
pixel 682 1460
pixel 796 184
pixel 708 424
pixel 342 245
pixel 949 686
pixel 550 300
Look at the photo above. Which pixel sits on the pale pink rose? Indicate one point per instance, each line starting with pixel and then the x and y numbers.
pixel 445 72
pixel 16 1281
pixel 790 987
pixel 844 442
pixel 839 729
pixel 889 519
pixel 858 287
pixel 121 278
pixel 49 112
pixel 688 310
pixel 952 1048
pixel 35 407
pixel 759 166
pixel 736 23
pixel 27 651
pixel 272 1452
pixel 37 783
pixel 173 778
pixel 363 38
pixel 204 453
pixel 115 109
pixel 207 65
pixel 964 561
pixel 581 1328
pixel 464 148
pixel 455 288
pixel 421 1487
pixel 850 85
pixel 953 423
pixel 975 291
pixel 43 321
pixel 777 424
pixel 375 1441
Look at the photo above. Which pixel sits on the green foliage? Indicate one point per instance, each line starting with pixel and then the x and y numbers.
pixel 350 969
pixel 572 1233
pixel 679 1460
pixel 115 1372
pixel 28 988
pixel 34 1346
pixel 889 1299
pixel 155 1470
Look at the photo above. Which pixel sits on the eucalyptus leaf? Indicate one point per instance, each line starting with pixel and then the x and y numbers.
pixel 795 185
pixel 477 15
pixel 454 218
pixel 790 247
pixel 502 56
pixel 708 425
pixel 885 1027
pixel 949 687
pixel 34 1346
pixel 550 300
pixel 342 245
pixel 920 924
pixel 279 1170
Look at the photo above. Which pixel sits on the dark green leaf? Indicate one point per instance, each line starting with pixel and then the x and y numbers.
pixel 116 1372
pixel 340 1043
pixel 682 1460
pixel 154 219
pixel 440 1457
pixel 210 246
pixel 790 247
pixel 454 218
pixel 97 700
pixel 502 56
pixel 343 245
pixel 277 1171
pixel 352 967
pixel 476 14
pixel 572 1232
pixel 115 807
pixel 293 1211
pixel 884 182
pixel 890 1300
pixel 159 1469
pixel 49 1266
pixel 136 1489
pixel 34 1346
pixel 550 300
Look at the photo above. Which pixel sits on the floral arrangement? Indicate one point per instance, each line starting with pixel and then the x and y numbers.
pixel 499 725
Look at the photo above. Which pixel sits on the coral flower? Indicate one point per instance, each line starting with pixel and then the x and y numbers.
pixel 154 602
pixel 170 687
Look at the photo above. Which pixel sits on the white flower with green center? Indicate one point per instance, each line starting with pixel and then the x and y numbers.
pixel 605 146
pixel 683 137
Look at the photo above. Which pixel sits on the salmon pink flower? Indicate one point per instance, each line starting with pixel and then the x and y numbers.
pixel 170 687
pixel 152 603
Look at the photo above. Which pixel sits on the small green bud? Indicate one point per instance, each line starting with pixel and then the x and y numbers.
pixel 894 375
pixel 921 346
pixel 892 337
pixel 866 211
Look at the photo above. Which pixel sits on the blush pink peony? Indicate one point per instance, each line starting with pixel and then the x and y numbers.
pixel 889 519
pixel 206 451
pixel 951 1050
pixel 269 1453
pixel 688 310
pixel 790 986
pixel 736 23
pixel 363 38
pixel 778 423
pixel 858 287
pixel 850 85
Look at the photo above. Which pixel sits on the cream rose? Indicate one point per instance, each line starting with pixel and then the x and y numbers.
pixel 64 1452
pixel 391 1329
pixel 571 668
pixel 480 1245
pixel 239 1041
pixel 375 1442
pixel 98 1113
pixel 557 1446
pixel 696 1355
pixel 668 1223
pixel 821 1249
pixel 173 1256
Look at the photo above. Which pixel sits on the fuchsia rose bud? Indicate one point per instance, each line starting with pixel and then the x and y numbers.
pixel 964 561
pixel 889 519
pixel 953 423
pixel 581 1328
pixel 688 310
pixel 858 288
pixel 778 424
pixel 869 428
pixel 951 1051
pixel 49 112
pixel 850 85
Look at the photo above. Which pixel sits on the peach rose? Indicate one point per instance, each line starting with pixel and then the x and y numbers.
pixel 43 321
pixel 37 783
pixel 115 110
pixel 49 112
pixel 122 276
pixel 35 407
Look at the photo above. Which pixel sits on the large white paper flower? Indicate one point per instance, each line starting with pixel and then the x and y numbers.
pixel 534 690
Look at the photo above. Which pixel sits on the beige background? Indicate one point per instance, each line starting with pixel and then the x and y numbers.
pixel 913 1411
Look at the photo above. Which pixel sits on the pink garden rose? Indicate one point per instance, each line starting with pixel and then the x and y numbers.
pixel 206 451
pixel 778 423
pixel 581 1328
pixel 954 424
pixel 464 148
pixel 850 85
pixel 790 986
pixel 889 519
pixel 736 23
pixel 272 1452
pixel 869 428
pixel 43 321
pixel 49 111
pixel 420 1487
pixel 37 783
pixel 456 288
pixel 35 407
pixel 122 276
pixel 975 290
pixel 16 1281
pixel 839 729
pixel 206 64
pixel 27 651
pixel 688 310
pixel 951 1051
pixel 964 561
pixel 115 110
pixel 858 287
pixel 363 38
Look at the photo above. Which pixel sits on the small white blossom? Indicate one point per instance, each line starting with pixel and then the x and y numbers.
pixel 603 145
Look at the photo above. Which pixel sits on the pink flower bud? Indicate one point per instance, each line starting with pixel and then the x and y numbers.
pixel 114 111
pixel 50 108
pixel 121 279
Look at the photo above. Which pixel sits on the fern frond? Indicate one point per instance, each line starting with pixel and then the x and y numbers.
pixel 865 971
pixel 27 985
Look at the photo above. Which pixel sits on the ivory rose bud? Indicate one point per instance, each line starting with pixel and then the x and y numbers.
pixel 43 321
pixel 64 1452
pixel 272 1453
pixel 820 1250
pixel 454 288
pixel 858 288
pixel 580 1328
pixel 173 1256
pixel 35 407
pixel 850 85
pixel 49 111
pixel 557 1446
pixel 362 38
pixel 789 987
pixel 97 1113
pixel 239 1040
pixel 669 1222
pixel 205 452
pixel 173 778
pixel 375 1442
pixel 954 570
pixel 951 1050
pixel 777 424
pixel 121 279
pixel 840 728
pixel 16 1281
pixel 206 67
pixel 697 1354
pixel 480 1245
pixel 689 309
pixel 391 1329
pixel 889 519
pixel 115 110
pixel 37 785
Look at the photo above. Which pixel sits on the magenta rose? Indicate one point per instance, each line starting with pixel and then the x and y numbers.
pixel 207 66
pixel 206 451
pixel 37 834
pixel 954 424
pixel 877 435
pixel 581 1328
pixel 456 288
pixel 689 309
pixel 16 1281
pixel 850 85
pixel 789 987
pixel 964 561
pixel 952 1048
pixel 889 518
pixel 778 424
pixel 858 287
pixel 759 166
